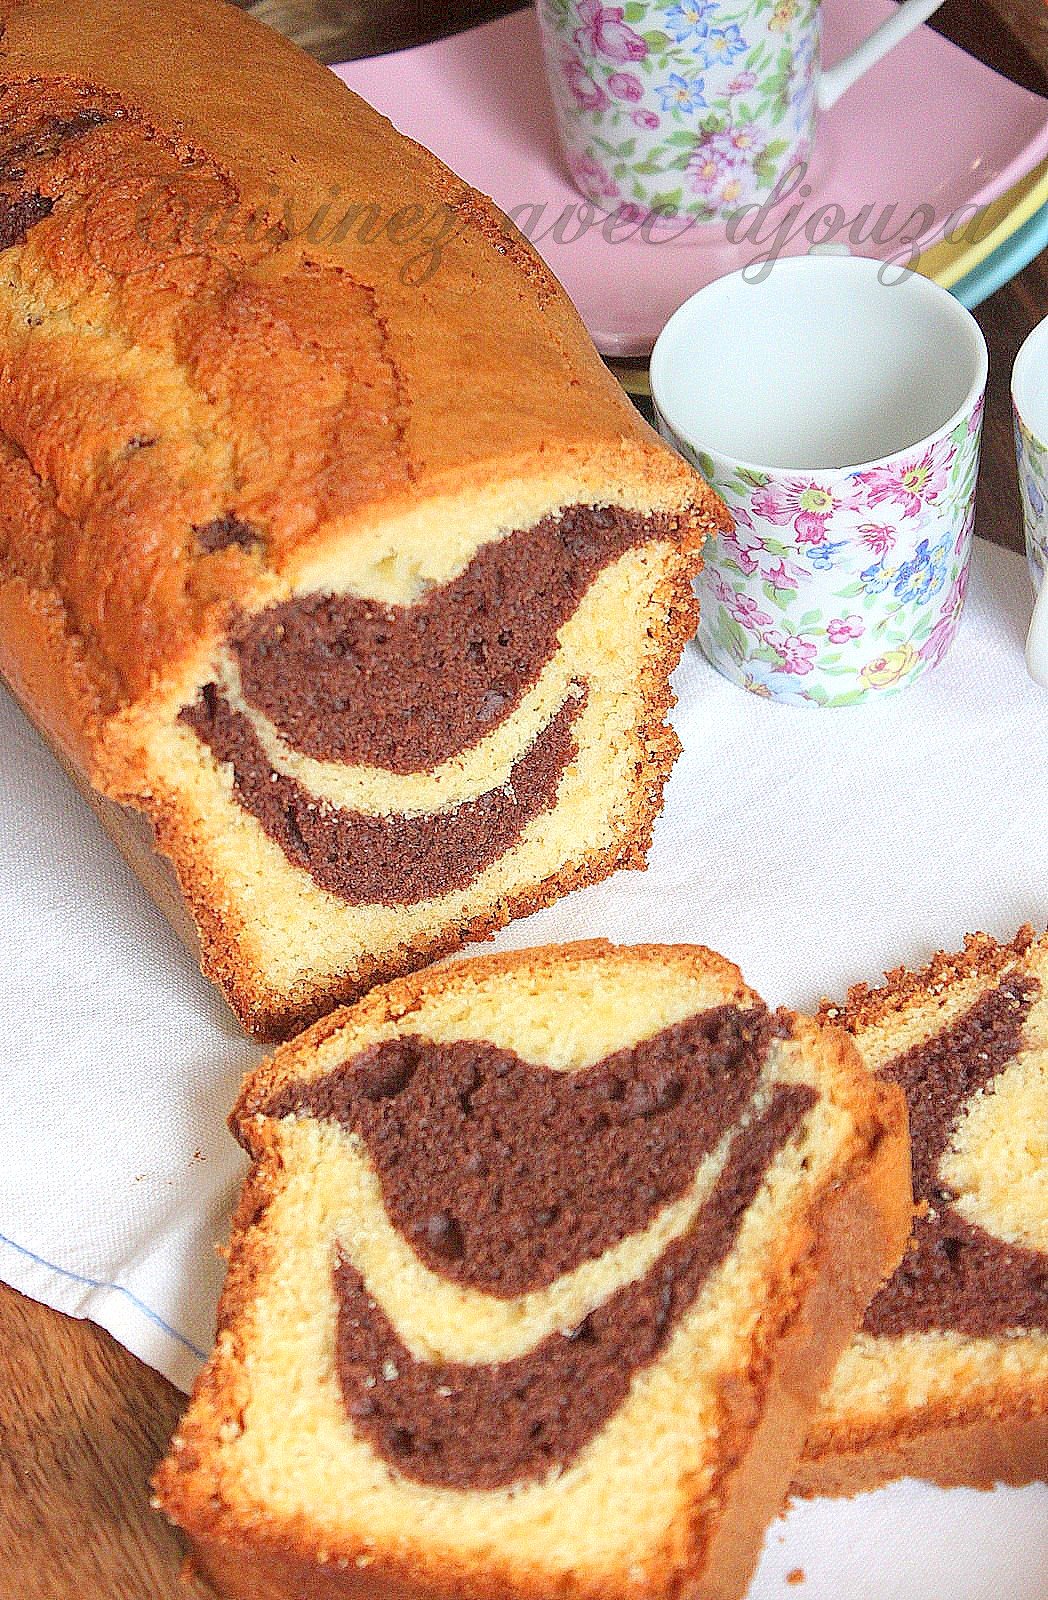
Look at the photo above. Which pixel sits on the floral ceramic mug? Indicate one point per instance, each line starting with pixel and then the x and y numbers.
pixel 838 414
pixel 699 107
pixel 1030 404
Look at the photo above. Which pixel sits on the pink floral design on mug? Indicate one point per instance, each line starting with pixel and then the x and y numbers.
pixel 848 604
pixel 694 108
pixel 843 580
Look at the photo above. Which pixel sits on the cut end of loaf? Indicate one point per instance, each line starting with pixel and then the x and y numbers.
pixel 383 767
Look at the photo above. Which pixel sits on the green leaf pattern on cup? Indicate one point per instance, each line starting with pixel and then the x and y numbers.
pixel 837 586
pixel 1032 456
pixel 691 108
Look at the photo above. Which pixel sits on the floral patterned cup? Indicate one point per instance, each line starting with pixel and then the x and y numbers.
pixel 838 415
pixel 1030 404
pixel 699 107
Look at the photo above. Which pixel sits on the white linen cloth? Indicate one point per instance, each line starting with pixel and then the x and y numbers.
pixel 813 847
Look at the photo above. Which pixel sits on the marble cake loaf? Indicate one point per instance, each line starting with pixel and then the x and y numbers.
pixel 327 543
pixel 948 1379
pixel 538 1270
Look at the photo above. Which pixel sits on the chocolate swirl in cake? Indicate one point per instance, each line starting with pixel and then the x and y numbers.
pixel 44 138
pixel 483 1426
pixel 19 213
pixel 956 1275
pixel 225 531
pixel 384 860
pixel 406 687
pixel 504 1175
pixel 22 204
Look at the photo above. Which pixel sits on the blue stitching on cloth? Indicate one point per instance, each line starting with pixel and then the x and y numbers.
pixel 116 1288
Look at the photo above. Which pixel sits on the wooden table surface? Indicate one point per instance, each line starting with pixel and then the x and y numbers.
pixel 81 1421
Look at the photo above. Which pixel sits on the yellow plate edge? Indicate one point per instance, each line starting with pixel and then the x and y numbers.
pixel 952 259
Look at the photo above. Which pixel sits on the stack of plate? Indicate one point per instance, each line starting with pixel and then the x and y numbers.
pixel 931 147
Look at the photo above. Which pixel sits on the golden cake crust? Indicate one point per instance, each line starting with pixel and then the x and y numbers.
pixel 1006 1442
pixel 868 1006
pixel 850 1239
pixel 397 999
pixel 852 1233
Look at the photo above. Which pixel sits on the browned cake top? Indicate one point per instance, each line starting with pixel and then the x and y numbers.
pixel 245 314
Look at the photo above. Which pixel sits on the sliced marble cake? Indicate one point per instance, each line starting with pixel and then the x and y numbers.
pixel 333 560
pixel 948 1379
pixel 541 1264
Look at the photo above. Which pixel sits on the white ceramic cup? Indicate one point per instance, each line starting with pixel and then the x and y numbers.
pixel 837 409
pixel 1030 404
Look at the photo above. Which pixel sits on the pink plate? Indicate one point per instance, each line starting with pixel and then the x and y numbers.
pixel 929 127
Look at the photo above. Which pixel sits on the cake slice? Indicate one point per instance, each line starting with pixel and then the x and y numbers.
pixel 329 548
pixel 539 1268
pixel 948 1379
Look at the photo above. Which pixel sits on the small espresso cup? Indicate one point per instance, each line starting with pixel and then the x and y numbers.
pixel 700 107
pixel 1030 405
pixel 838 413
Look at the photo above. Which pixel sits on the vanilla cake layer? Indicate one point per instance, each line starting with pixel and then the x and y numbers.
pixel 949 1377
pixel 538 1268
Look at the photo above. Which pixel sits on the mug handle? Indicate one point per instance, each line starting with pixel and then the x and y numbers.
pixel 1037 638
pixel 836 79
